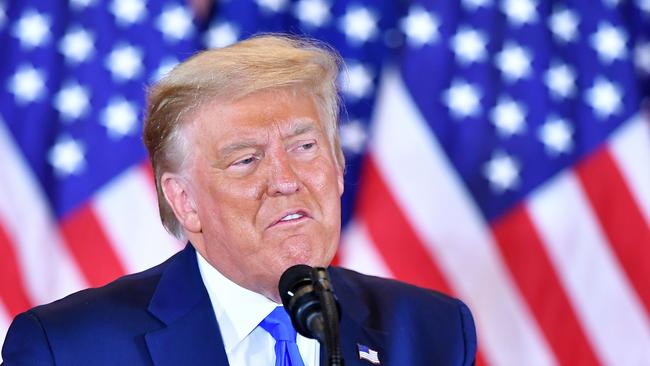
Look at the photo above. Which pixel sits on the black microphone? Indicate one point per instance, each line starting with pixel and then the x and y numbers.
pixel 308 297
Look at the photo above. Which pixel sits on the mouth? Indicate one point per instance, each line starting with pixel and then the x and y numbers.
pixel 291 217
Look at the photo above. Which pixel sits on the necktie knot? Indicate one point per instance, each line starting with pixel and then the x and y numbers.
pixel 278 324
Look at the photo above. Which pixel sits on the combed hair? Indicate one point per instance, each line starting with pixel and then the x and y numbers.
pixel 259 63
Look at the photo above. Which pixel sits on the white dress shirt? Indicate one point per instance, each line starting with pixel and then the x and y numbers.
pixel 239 311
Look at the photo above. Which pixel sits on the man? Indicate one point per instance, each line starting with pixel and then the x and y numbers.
pixel 248 167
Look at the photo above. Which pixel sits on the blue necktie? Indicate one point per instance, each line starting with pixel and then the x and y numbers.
pixel 279 326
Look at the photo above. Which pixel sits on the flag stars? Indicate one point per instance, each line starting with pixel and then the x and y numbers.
pixel 77 45
pixel 312 13
pixel 67 157
pixel 514 62
pixel 564 25
pixel 469 45
pixel 175 23
pixel 128 12
pixel 508 117
pixel 475 4
pixel 32 29
pixel 556 135
pixel 357 83
pixel 165 66
pixel 124 62
pixel 420 26
pixel 272 5
pixel 81 4
pixel 502 172
pixel 72 101
pixel 463 99
pixel 642 57
pixel 120 117
pixel 220 35
pixel 27 84
pixel 359 25
pixel 520 12
pixel 609 42
pixel 604 97
pixel 560 80
pixel 353 136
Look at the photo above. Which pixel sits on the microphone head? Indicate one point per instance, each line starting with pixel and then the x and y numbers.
pixel 291 280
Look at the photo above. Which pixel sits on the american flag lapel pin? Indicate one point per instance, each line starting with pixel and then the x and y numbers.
pixel 368 354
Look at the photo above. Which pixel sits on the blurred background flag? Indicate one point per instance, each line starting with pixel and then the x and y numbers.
pixel 496 150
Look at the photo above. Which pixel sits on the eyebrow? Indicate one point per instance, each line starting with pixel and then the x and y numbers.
pixel 298 127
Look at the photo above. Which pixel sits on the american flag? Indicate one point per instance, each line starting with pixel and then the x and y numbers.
pixel 496 150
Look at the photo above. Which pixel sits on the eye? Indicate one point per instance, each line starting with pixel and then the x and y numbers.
pixel 248 161
pixel 308 146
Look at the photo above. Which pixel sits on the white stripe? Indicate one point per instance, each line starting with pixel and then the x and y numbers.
pixel 630 146
pixel 359 253
pixel 128 212
pixel 48 268
pixel 431 195
pixel 605 304
pixel 5 319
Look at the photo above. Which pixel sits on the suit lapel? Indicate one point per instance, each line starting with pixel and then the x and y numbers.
pixel 190 335
pixel 354 329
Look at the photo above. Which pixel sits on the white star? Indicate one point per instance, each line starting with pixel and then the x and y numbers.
pixel 555 134
pixel 560 80
pixel 420 26
pixel 475 4
pixel 124 62
pixel 357 81
pixel 469 45
pixel 502 171
pixel 609 42
pixel 72 101
pixel 272 5
pixel 3 14
pixel 642 57
pixel 644 5
pixel 514 62
pixel 77 45
pixel 165 66
pixel 175 23
pixel 128 12
pixel 27 84
pixel 508 117
pixel 564 25
pixel 353 136
pixel 520 12
pixel 359 24
pixel 313 13
pixel 604 97
pixel 32 29
pixel 463 99
pixel 67 156
pixel 81 4
pixel 120 117
pixel 221 35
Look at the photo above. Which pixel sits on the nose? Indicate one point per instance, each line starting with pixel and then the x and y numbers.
pixel 282 177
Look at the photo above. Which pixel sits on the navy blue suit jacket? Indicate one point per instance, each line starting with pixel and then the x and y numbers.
pixel 163 316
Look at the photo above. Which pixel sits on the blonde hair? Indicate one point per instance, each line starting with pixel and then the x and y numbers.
pixel 259 63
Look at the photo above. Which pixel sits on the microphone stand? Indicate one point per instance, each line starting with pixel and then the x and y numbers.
pixel 325 293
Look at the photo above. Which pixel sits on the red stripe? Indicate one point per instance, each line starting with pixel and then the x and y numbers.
pixel 12 283
pixel 90 247
pixel 524 254
pixel 399 245
pixel 620 217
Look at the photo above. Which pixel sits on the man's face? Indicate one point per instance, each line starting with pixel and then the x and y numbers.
pixel 265 186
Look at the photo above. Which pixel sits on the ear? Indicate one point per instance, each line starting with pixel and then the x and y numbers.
pixel 178 195
pixel 339 179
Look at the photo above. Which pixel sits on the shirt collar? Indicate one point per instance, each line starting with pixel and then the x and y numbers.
pixel 238 310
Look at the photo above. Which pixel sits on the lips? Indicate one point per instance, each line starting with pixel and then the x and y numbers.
pixel 290 216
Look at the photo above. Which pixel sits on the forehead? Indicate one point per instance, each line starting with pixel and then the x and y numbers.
pixel 260 113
